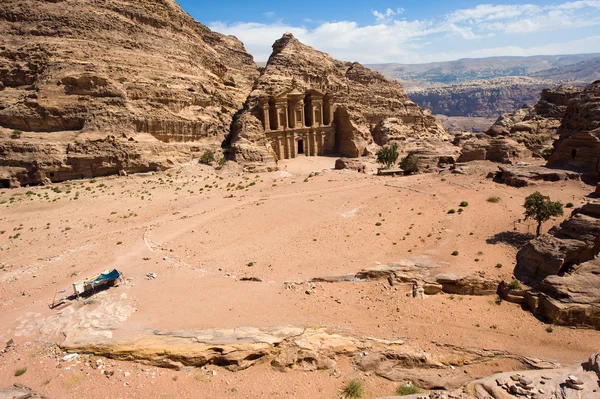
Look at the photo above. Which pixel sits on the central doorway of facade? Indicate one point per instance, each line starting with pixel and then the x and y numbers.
pixel 300 146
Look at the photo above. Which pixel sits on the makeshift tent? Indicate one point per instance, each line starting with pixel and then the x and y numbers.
pixel 91 283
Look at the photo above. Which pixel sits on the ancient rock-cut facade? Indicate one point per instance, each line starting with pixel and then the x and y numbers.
pixel 298 123
pixel 307 103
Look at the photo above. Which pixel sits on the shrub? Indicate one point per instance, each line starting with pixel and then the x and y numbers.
pixel 549 329
pixel 411 164
pixel 355 389
pixel 493 200
pixel 514 285
pixel 20 372
pixel 388 155
pixel 464 204
pixel 407 389
pixel 569 205
pixel 15 134
pixel 541 208
pixel 451 211
pixel 499 266
pixel 207 158
pixel 455 253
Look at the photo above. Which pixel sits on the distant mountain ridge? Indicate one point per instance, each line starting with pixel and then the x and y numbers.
pixel 469 69
pixel 489 87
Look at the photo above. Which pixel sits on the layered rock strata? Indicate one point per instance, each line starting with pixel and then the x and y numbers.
pixel 76 71
pixel 579 144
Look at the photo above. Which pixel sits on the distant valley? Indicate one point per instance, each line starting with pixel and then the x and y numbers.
pixel 488 87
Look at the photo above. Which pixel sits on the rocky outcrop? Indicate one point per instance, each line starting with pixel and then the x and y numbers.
pixel 496 148
pixel 352 164
pixel 579 144
pixel 537 127
pixel 433 148
pixel 578 382
pixel 519 135
pixel 42 161
pixel 362 99
pixel 562 269
pixel 293 348
pixel 144 69
pixel 18 391
pixel 523 175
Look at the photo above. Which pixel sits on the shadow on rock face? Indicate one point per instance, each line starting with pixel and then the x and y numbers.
pixel 512 238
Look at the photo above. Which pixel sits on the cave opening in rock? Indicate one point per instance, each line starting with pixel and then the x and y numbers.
pixel 300 146
pixel 4 183
pixel 574 153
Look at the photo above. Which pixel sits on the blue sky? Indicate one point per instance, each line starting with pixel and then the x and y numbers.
pixel 380 31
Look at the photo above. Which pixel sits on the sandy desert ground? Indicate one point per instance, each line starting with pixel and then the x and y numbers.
pixel 202 230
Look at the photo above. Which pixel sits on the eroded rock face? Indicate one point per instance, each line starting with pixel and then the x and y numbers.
pixel 360 99
pixel 562 269
pixel 579 143
pixel 497 148
pixel 537 127
pixel 146 69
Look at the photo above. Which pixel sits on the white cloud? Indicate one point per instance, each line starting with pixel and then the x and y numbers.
pixel 490 29
pixel 387 15
pixel 270 14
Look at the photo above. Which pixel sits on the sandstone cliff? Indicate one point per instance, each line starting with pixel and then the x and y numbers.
pixel 481 98
pixel 578 147
pixel 144 70
pixel 362 99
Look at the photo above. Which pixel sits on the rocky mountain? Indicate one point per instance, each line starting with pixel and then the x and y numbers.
pixel 469 69
pixel 584 71
pixel 578 147
pixel 93 88
pixel 303 93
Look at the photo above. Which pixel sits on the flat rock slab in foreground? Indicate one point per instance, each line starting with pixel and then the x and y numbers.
pixel 293 348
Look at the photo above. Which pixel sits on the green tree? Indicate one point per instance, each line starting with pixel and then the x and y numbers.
pixel 388 155
pixel 410 164
pixel 541 208
pixel 207 158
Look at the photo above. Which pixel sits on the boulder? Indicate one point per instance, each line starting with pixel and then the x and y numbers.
pixel 352 164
